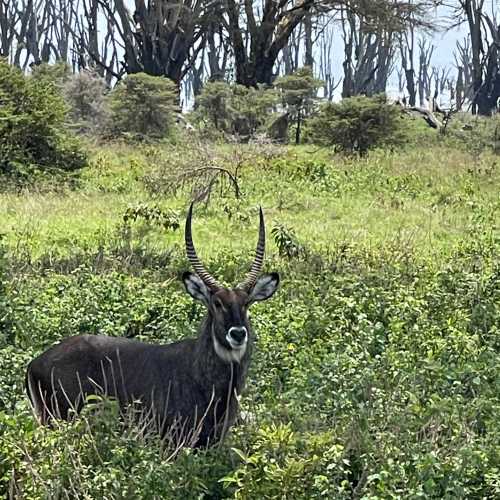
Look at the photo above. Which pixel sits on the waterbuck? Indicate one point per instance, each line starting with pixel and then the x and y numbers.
pixel 188 389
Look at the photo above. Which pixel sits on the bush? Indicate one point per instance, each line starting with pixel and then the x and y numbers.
pixel 33 138
pixel 97 456
pixel 57 74
pixel 85 93
pixel 142 107
pixel 357 124
pixel 235 109
pixel 474 133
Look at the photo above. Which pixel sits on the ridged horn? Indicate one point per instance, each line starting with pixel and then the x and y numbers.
pixel 200 270
pixel 255 270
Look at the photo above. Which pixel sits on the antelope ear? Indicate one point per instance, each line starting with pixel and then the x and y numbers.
pixel 196 288
pixel 266 285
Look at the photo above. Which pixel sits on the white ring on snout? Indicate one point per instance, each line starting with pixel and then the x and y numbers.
pixel 232 342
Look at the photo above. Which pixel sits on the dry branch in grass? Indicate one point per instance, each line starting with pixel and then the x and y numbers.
pixel 208 168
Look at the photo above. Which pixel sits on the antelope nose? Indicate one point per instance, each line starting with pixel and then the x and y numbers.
pixel 238 333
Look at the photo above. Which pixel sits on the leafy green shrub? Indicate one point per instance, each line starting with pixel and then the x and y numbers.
pixel 13 363
pixel 33 138
pixel 375 369
pixel 152 214
pixel 287 242
pixel 281 464
pixel 99 456
pixel 234 109
pixel 4 302
pixel 357 124
pixel 474 133
pixel 142 107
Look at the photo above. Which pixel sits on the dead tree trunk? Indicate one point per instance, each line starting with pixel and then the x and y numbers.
pixel 424 77
pixel 368 56
pixel 407 51
pixel 255 60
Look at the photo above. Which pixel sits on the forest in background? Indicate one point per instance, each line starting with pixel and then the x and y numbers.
pixel 253 42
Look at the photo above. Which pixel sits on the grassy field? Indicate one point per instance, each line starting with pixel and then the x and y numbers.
pixel 376 372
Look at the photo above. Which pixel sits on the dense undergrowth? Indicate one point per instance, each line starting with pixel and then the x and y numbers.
pixel 376 371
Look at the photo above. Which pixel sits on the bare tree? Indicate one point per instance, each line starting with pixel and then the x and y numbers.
pixel 10 19
pixel 484 35
pixel 488 94
pixel 325 62
pixel 368 55
pixel 473 10
pixel 463 64
pixel 425 49
pixel 407 51
pixel 289 61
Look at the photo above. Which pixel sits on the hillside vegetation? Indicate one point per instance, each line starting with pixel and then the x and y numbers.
pixel 376 371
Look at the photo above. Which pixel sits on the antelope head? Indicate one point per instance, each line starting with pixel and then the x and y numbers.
pixel 228 307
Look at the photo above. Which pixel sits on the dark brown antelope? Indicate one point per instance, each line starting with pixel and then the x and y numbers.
pixel 188 388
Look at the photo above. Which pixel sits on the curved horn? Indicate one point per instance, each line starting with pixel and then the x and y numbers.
pixel 255 270
pixel 194 259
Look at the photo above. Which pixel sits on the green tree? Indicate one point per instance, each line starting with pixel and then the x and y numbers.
pixel 142 107
pixel 297 92
pixel 235 109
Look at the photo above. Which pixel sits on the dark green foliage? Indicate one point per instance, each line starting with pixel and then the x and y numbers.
pixel 381 376
pixel 142 107
pixel 357 124
pixel 234 109
pixel 286 242
pixel 33 137
pixel 152 214
pixel 4 303
pixel 99 456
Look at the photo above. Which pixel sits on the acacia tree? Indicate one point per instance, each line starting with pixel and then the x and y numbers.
pixel 368 53
pixel 258 36
pixel 297 92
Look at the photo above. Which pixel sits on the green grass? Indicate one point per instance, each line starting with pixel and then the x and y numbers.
pixel 376 373
pixel 426 198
